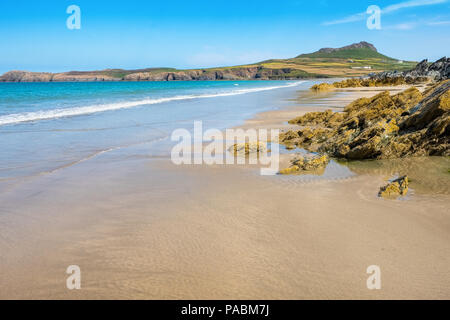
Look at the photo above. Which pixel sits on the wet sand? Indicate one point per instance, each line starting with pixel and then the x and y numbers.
pixel 143 228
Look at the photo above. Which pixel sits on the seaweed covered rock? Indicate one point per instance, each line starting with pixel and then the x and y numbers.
pixel 409 123
pixel 307 138
pixel 291 170
pixel 306 163
pixel 311 163
pixel 396 80
pixel 371 82
pixel 396 188
pixel 383 106
pixel 240 149
pixel 328 118
pixel 323 87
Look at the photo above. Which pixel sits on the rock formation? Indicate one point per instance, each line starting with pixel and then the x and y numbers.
pixel 243 149
pixel 360 45
pixel 306 163
pixel 396 188
pixel 437 71
pixel 25 76
pixel 385 126
pixel 423 72
pixel 234 73
pixel 323 87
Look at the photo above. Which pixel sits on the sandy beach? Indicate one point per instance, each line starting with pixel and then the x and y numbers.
pixel 142 228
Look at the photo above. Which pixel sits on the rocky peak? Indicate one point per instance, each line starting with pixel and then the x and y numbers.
pixel 359 45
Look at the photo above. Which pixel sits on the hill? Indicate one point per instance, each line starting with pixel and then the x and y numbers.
pixel 361 50
pixel 357 59
pixel 354 60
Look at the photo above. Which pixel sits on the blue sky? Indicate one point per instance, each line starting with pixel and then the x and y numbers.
pixel 186 34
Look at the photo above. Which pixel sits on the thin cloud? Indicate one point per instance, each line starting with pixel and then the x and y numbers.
pixel 411 4
pixel 402 26
pixel 389 9
pixel 413 24
pixel 439 23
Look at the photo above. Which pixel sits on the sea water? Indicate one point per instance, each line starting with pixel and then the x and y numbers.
pixel 50 126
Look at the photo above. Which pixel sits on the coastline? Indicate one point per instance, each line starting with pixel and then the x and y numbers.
pixel 155 231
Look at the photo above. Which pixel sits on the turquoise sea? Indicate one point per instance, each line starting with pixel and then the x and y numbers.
pixel 48 126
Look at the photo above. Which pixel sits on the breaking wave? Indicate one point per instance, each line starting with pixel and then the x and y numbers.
pixel 77 111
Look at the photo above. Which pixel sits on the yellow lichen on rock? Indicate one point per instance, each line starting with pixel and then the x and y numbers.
pixel 367 82
pixel 381 127
pixel 370 82
pixel 290 170
pixel 248 148
pixel 445 101
pixel 311 163
pixel 327 118
pixel 388 127
pixel 306 163
pixel 323 87
pixel 383 105
pixel 396 188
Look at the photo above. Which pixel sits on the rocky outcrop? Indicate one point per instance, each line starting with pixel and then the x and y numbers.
pixel 248 73
pixel 377 81
pixel 306 163
pixel 437 71
pixel 327 118
pixel 160 76
pixel 385 126
pixel 25 76
pixel 396 188
pixel 321 87
pixel 423 72
pixel 225 74
pixel 235 73
pixel 360 45
pixel 80 77
pixel 243 149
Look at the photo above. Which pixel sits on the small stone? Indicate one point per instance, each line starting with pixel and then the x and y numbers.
pixel 307 163
pixel 248 148
pixel 396 188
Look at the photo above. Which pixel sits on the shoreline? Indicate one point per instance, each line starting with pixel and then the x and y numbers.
pixel 144 228
pixel 194 80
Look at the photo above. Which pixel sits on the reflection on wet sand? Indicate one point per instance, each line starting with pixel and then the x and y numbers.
pixel 427 175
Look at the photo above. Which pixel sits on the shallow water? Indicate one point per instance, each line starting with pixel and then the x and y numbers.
pixel 49 126
pixel 427 175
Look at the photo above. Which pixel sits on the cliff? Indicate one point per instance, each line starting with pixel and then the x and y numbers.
pixel 235 73
pixel 357 59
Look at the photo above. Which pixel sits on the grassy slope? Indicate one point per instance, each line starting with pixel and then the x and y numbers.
pixel 341 63
pixel 120 73
pixel 356 53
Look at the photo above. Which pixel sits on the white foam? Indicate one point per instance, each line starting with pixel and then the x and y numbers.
pixel 77 111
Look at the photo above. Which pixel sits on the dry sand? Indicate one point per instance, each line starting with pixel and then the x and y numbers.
pixel 143 228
